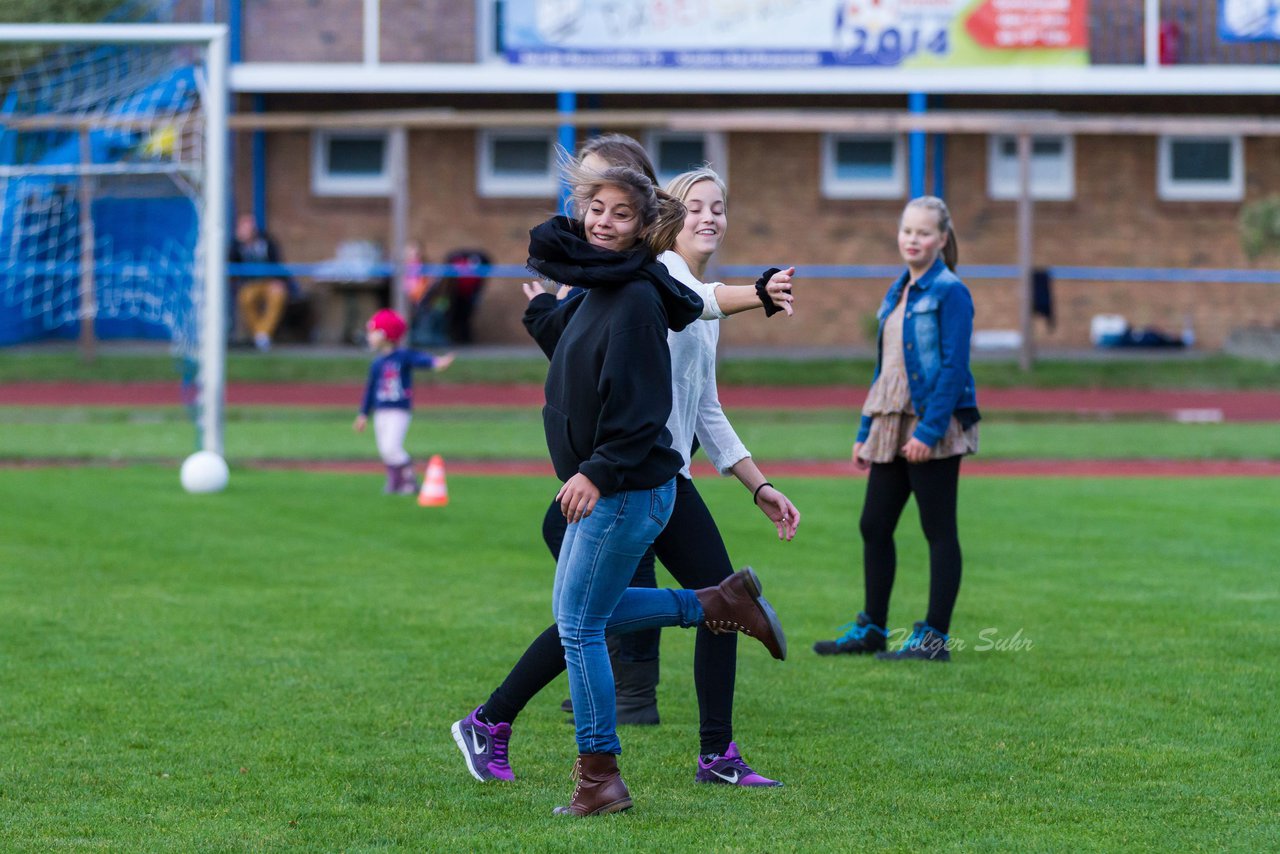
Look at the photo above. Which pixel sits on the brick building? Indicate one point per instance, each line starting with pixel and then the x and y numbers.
pixel 1159 205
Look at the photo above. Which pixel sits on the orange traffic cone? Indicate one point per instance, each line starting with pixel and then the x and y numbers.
pixel 434 492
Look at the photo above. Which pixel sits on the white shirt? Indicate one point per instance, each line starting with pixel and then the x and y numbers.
pixel 695 405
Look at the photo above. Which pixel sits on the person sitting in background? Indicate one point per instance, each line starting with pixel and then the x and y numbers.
pixel 444 311
pixel 415 283
pixel 260 298
pixel 428 301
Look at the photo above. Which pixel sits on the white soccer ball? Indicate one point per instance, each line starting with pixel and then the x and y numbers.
pixel 204 471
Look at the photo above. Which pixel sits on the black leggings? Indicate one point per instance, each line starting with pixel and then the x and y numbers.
pixel 692 550
pixel 935 485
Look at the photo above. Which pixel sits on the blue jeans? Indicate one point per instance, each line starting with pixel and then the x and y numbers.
pixel 597 559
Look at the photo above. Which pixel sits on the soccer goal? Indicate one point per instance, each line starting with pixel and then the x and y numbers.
pixel 113 157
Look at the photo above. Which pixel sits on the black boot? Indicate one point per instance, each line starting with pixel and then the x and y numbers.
pixel 636 687
pixel 614 646
pixel 636 683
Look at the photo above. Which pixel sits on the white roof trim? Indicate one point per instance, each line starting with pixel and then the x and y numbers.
pixel 500 77
pixel 112 33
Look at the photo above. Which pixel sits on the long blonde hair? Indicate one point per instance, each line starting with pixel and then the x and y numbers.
pixel 950 250
pixel 680 185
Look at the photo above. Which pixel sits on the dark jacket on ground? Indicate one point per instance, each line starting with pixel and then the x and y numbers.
pixel 609 384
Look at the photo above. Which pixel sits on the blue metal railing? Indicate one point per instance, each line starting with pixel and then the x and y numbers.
pixel 881 272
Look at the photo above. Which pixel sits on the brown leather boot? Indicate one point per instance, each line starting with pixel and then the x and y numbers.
pixel 735 605
pixel 599 788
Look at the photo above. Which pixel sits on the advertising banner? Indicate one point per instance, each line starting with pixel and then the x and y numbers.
pixel 751 34
pixel 1249 20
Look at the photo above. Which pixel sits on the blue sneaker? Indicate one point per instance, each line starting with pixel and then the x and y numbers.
pixel 926 644
pixel 861 636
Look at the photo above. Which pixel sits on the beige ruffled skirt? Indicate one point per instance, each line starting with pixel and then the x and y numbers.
pixel 891 430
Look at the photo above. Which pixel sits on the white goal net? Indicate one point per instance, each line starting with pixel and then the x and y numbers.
pixel 112 176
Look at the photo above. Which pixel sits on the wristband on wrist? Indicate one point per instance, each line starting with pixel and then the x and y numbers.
pixel 770 307
pixel 755 495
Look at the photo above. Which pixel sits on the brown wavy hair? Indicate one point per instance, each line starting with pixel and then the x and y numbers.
pixel 661 215
pixel 618 149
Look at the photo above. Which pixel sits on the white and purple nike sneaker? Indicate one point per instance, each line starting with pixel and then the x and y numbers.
pixel 729 769
pixel 484 747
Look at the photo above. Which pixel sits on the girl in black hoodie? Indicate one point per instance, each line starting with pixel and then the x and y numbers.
pixel 608 394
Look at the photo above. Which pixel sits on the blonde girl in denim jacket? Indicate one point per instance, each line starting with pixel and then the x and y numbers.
pixel 919 419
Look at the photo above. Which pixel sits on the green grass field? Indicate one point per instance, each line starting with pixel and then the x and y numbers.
pixel 276 668
pixel 273 433
pixel 1180 371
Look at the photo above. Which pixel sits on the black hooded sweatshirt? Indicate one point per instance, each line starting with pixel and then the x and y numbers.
pixel 609 384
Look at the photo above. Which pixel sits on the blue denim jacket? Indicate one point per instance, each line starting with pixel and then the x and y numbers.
pixel 936 327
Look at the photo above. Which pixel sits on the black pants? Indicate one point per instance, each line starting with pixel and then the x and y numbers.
pixel 692 550
pixel 935 485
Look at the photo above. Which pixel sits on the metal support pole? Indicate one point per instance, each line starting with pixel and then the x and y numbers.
pixel 213 240
pixel 258 145
pixel 398 151
pixel 917 102
pixel 235 26
pixel 1151 34
pixel 567 105
pixel 372 32
pixel 1026 356
pixel 88 293
pixel 940 165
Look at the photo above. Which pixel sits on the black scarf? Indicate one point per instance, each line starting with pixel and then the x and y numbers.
pixel 559 250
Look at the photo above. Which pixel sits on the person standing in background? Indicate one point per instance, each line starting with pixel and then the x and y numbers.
pixel 919 420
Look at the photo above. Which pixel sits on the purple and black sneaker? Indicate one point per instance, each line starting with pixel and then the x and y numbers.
pixel 729 769
pixel 484 746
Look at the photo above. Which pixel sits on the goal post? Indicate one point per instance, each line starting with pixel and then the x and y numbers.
pixel 113 186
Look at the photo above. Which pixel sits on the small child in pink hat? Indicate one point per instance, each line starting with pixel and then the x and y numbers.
pixel 389 396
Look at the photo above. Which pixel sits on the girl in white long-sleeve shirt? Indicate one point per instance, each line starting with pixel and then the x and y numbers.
pixel 690 547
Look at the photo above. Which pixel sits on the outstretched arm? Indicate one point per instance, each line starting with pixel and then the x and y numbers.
pixel 738 298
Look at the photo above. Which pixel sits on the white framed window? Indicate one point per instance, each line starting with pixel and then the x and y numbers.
pixel 1207 168
pixel 678 151
pixel 1053 167
pixel 858 166
pixel 350 163
pixel 517 164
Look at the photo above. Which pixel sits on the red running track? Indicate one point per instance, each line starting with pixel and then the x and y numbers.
pixel 976 467
pixel 1189 405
